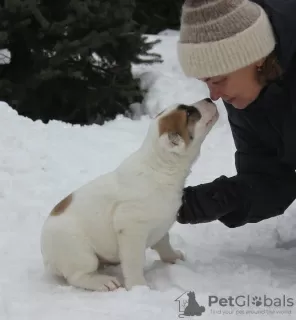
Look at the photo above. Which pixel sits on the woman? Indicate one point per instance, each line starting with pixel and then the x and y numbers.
pixel 245 51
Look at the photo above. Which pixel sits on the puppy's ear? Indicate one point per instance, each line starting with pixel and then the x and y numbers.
pixel 159 114
pixel 173 131
pixel 172 142
pixel 174 139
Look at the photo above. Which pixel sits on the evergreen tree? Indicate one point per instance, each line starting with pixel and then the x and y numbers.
pixel 156 15
pixel 71 59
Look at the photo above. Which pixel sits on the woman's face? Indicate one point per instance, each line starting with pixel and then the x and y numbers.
pixel 238 88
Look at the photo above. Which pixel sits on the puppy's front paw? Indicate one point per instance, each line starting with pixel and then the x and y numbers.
pixel 177 254
pixel 129 283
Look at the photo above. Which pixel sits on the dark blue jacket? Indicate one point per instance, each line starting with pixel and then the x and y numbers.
pixel 265 138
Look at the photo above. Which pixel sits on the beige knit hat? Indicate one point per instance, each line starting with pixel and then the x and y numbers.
pixel 221 36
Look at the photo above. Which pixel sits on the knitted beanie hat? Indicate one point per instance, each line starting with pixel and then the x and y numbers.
pixel 221 36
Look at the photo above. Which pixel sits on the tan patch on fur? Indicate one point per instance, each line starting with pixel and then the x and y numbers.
pixel 62 205
pixel 175 122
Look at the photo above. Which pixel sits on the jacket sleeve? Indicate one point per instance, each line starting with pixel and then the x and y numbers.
pixel 269 185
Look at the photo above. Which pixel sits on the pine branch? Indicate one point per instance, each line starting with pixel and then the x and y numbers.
pixel 11 3
pixel 38 15
pixel 78 7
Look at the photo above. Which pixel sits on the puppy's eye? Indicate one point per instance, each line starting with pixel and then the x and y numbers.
pixel 189 113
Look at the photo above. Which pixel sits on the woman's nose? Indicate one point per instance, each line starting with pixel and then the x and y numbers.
pixel 214 94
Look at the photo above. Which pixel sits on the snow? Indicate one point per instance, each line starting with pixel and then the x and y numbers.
pixel 41 163
pixel 4 56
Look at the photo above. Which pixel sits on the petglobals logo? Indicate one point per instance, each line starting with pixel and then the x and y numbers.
pixel 251 301
pixel 251 305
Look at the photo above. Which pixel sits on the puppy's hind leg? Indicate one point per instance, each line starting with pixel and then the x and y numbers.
pixel 81 269
pixel 87 277
pixel 165 250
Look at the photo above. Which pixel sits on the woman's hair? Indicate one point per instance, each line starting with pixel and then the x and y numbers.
pixel 270 69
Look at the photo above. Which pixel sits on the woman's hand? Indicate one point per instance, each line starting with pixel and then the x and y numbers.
pixel 208 202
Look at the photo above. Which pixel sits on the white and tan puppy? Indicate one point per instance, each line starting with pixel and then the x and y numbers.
pixel 116 216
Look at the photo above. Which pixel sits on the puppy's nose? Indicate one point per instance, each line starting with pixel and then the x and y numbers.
pixel 208 100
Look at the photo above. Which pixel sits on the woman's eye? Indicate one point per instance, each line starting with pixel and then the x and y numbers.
pixel 219 81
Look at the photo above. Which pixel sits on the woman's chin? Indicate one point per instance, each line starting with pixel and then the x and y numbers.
pixel 240 103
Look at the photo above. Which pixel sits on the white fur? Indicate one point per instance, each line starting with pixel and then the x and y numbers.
pixel 118 215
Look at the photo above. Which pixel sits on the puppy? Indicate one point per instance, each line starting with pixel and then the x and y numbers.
pixel 115 217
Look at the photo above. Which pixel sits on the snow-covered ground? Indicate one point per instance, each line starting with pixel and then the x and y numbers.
pixel 39 164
